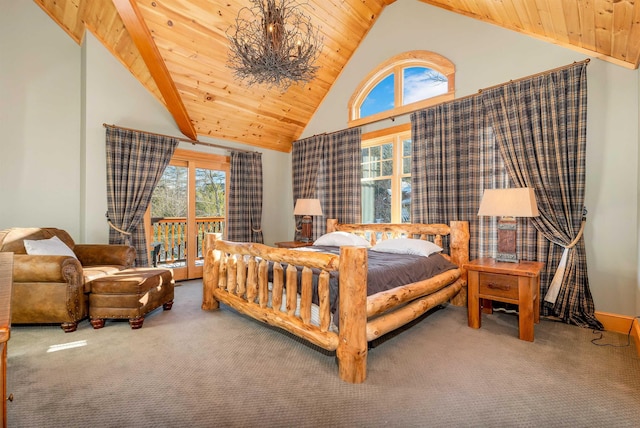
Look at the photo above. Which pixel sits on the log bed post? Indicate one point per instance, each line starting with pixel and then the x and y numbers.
pixel 459 251
pixel 352 345
pixel 210 271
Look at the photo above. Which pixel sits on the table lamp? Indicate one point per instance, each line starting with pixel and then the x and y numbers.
pixel 508 204
pixel 307 208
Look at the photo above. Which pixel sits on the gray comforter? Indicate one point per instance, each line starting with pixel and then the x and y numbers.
pixel 387 271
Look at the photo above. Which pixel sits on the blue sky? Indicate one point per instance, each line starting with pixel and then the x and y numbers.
pixel 419 83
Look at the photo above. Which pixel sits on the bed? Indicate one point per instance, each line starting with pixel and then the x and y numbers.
pixel 323 297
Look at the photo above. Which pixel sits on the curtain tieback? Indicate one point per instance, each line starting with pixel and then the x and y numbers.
pixel 113 226
pixel 578 236
pixel 256 230
pixel 556 282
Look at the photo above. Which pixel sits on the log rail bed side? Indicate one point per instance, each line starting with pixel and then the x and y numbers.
pixel 237 274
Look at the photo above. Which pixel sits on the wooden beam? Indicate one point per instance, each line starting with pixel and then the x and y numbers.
pixel 143 40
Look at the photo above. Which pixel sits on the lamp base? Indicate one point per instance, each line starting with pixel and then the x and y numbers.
pixel 507 248
pixel 307 229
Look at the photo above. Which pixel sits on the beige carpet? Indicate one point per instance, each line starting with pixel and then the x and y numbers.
pixel 191 368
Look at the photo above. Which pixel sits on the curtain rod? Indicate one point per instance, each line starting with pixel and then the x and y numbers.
pixel 542 73
pixel 186 140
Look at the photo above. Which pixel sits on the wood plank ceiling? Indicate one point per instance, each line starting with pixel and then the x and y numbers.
pixel 178 50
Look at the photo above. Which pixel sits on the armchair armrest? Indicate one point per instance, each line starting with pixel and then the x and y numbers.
pixel 105 254
pixel 32 268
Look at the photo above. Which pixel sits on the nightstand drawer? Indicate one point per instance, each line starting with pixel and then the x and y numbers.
pixel 505 286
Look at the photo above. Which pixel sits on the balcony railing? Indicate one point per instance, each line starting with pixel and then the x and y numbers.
pixel 171 235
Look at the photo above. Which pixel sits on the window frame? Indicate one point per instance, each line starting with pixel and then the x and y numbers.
pixel 396 66
pixel 396 135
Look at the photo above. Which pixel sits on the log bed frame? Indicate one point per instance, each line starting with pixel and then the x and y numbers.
pixel 236 274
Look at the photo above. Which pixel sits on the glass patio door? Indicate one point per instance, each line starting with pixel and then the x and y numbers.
pixel 189 201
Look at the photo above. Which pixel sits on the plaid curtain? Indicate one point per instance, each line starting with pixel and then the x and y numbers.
pixel 453 160
pixel 339 177
pixel 244 222
pixel 306 157
pixel 327 167
pixel 540 125
pixel 135 163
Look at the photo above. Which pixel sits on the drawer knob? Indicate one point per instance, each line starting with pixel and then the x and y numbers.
pixel 498 286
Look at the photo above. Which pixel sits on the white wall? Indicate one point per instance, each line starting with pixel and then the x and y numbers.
pixel 39 120
pixel 486 55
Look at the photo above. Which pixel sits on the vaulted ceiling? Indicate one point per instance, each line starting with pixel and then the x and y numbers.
pixel 178 50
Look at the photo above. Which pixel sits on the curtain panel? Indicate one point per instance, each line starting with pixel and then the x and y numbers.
pixel 306 157
pixel 244 220
pixel 339 177
pixel 135 164
pixel 527 133
pixel 540 126
pixel 327 167
pixel 453 161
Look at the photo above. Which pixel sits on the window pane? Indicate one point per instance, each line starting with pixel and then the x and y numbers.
pixel 406 156
pixel 420 83
pixel 406 147
pixel 376 201
pixel 169 198
pixel 210 197
pixel 375 170
pixel 387 167
pixel 406 166
pixel 387 151
pixel 380 98
pixel 406 200
pixel 374 153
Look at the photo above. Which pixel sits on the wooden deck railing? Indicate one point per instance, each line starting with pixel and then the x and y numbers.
pixel 171 234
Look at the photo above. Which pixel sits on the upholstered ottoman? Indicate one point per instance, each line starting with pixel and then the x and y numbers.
pixel 130 294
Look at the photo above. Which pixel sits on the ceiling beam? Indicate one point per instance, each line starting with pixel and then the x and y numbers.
pixel 141 36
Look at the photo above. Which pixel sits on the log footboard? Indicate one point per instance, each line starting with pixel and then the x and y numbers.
pixel 275 286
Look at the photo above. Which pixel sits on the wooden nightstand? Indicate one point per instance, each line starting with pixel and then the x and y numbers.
pixel 516 283
pixel 293 244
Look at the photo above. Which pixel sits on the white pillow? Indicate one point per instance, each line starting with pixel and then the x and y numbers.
pixel 48 247
pixel 418 247
pixel 339 239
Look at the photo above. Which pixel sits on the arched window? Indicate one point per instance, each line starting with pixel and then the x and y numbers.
pixel 404 83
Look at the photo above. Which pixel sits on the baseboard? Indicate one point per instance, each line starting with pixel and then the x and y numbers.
pixel 621 324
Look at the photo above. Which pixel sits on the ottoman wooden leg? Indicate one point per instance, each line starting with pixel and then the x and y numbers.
pixel 69 327
pixel 97 323
pixel 167 306
pixel 136 322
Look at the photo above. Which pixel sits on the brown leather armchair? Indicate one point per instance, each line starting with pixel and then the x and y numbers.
pixel 54 289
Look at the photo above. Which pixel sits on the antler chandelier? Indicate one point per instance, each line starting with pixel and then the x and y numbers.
pixel 274 43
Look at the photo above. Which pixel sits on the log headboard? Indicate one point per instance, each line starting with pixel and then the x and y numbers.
pixel 458 232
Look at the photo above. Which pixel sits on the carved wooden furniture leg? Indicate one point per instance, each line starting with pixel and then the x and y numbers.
pixel 97 323
pixel 136 323
pixel 69 327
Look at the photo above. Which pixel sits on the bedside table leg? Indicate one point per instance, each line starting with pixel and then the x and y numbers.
pixel 473 305
pixel 536 301
pixel 525 307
